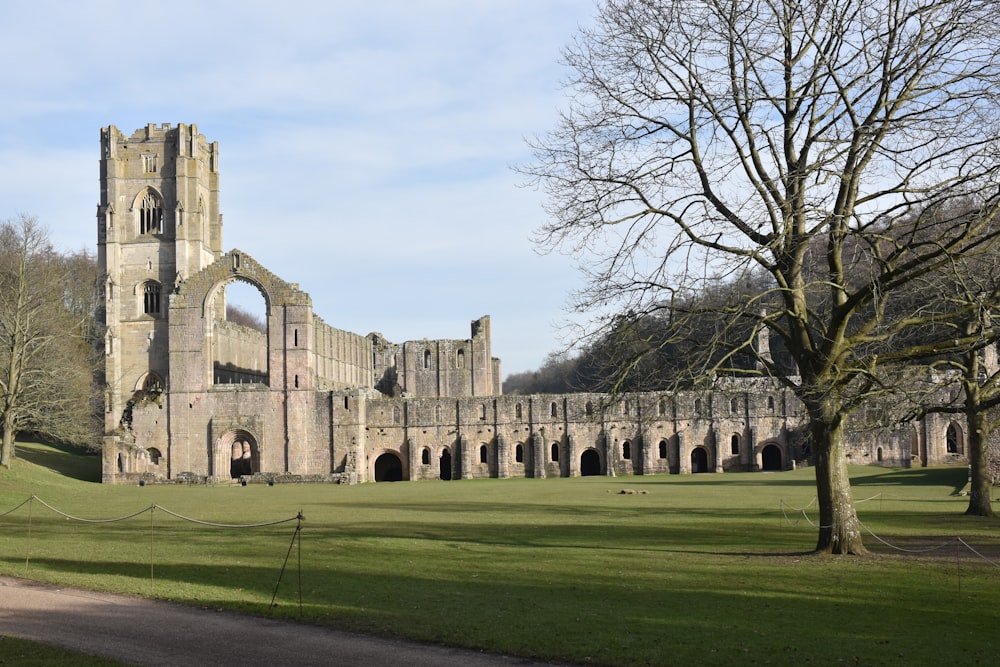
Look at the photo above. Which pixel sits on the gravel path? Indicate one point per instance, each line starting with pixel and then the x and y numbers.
pixel 138 631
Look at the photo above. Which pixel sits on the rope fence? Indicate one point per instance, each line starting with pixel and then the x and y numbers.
pixel 296 536
pixel 803 511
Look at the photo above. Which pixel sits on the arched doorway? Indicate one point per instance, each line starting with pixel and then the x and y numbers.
pixel 699 460
pixel 770 458
pixel 388 468
pixel 240 449
pixel 590 463
pixel 446 465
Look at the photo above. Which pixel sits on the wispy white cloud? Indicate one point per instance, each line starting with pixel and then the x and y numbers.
pixel 365 146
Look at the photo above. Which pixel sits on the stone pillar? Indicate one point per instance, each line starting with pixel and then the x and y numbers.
pixel 572 466
pixel 610 456
pixel 538 455
pixel 683 456
pixel 413 455
pixel 503 457
pixel 714 434
pixel 464 458
pixel 645 453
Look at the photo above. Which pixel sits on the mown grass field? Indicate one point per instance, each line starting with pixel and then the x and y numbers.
pixel 696 569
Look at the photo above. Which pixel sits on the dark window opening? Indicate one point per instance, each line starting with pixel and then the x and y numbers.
pixel 150 215
pixel 151 298
pixel 445 467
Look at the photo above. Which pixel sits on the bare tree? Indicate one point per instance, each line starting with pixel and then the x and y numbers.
pixel 708 138
pixel 46 361
pixel 966 382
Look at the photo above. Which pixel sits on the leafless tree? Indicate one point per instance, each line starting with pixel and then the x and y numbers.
pixel 708 138
pixel 46 359
pixel 966 382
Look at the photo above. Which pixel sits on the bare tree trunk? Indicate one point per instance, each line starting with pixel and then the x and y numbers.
pixel 839 530
pixel 980 503
pixel 7 448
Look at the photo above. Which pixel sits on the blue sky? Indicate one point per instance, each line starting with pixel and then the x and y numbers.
pixel 365 147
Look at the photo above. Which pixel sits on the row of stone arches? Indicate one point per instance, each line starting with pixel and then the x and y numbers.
pixel 772 459
pixel 388 466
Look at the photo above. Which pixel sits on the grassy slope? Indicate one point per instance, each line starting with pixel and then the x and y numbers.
pixel 700 569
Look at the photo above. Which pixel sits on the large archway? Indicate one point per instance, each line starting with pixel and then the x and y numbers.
pixel 445 468
pixel 388 468
pixel 238 319
pixel 770 458
pixel 699 460
pixel 590 463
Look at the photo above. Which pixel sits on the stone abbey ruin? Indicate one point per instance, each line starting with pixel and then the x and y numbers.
pixel 193 396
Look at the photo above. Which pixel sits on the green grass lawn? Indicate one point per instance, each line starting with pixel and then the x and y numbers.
pixel 695 569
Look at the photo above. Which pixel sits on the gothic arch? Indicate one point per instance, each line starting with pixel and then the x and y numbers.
pixel 238 454
pixel 954 439
pixel 150 382
pixel 148 212
pixel 220 285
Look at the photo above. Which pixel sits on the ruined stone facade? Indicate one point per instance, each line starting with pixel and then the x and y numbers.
pixel 191 395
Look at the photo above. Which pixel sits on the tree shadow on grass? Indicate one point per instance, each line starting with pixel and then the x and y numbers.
pixel 62 459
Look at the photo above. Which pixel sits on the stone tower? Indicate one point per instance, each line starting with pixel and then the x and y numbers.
pixel 158 223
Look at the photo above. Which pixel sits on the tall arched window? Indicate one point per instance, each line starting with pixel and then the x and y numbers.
pixel 554 409
pixel 460 359
pixel 519 453
pixel 626 450
pixel 151 298
pixel 427 358
pixel 555 452
pixel 151 214
pixel 484 454
pixel 953 440
pixel 734 445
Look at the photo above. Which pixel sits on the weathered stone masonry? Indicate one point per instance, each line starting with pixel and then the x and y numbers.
pixel 192 396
